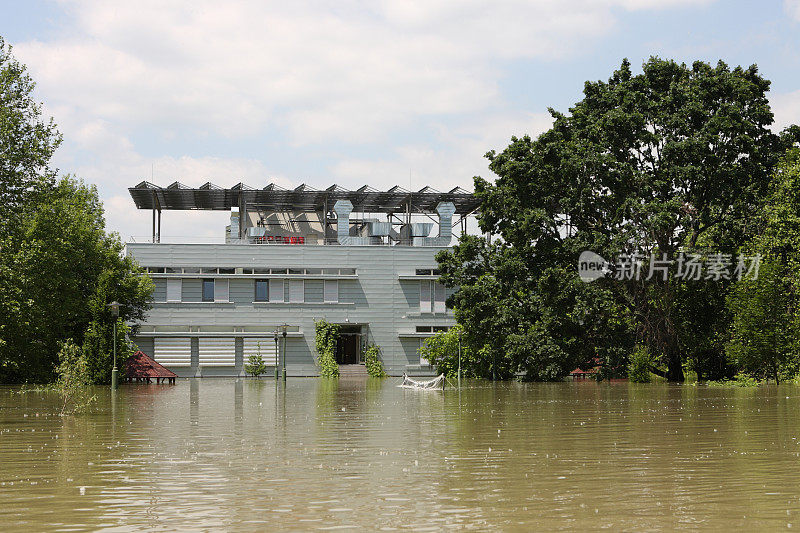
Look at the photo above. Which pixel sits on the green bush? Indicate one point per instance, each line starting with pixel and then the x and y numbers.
pixel 441 351
pixel 639 365
pixel 255 365
pixel 372 361
pixel 326 335
pixel 73 383
pixel 739 380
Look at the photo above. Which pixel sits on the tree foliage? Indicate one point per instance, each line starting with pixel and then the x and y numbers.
pixel 73 379
pixel 676 158
pixel 255 365
pixel 441 350
pixel 58 267
pixel 59 272
pixel 765 331
pixel 27 142
pixel 639 365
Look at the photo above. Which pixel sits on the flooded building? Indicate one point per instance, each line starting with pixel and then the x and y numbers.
pixel 363 259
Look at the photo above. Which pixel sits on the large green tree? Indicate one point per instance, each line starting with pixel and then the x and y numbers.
pixel 765 329
pixel 673 159
pixel 27 141
pixel 58 266
pixel 57 276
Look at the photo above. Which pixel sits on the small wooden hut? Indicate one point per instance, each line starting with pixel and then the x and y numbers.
pixel 141 368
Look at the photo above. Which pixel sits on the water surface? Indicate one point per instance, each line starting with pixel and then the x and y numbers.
pixel 247 454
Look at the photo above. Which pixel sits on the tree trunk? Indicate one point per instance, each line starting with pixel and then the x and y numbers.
pixel 675 367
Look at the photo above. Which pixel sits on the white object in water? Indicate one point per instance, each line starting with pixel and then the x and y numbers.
pixel 436 383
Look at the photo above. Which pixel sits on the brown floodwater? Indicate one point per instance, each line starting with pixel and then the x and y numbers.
pixel 247 454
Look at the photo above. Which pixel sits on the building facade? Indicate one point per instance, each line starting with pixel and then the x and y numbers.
pixel 359 259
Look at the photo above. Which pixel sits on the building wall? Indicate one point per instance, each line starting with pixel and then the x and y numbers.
pixel 383 296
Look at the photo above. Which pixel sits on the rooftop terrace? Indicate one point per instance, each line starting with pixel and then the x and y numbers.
pixel 178 196
pixel 304 215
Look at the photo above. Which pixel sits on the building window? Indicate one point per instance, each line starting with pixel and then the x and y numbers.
pixel 208 290
pixel 296 291
pixel 276 290
pixel 424 296
pixel 174 287
pixel 438 298
pixel 331 291
pixel 262 290
pixel 221 290
pixel 427 272
pixel 432 329
pixel 422 360
pixel 431 297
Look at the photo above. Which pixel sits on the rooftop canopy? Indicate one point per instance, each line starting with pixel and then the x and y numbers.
pixel 301 199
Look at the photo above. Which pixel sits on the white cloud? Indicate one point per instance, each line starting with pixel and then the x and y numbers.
pixel 309 74
pixel 454 165
pixel 786 108
pixel 792 8
pixel 347 70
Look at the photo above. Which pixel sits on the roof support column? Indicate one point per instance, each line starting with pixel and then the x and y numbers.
pixel 242 215
pixel 325 221
pixel 155 204
pixel 159 225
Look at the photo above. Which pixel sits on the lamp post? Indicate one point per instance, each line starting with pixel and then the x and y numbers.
pixel 459 358
pixel 114 372
pixel 284 351
pixel 277 354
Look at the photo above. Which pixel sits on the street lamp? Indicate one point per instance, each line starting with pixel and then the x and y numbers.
pixel 284 351
pixel 114 372
pixel 277 354
pixel 459 358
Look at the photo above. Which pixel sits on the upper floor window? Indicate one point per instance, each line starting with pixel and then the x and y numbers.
pixel 427 272
pixel 432 329
pixel 257 270
pixel 431 297
pixel 296 291
pixel 262 290
pixel 174 287
pixel 221 290
pixel 276 290
pixel 208 290
pixel 330 291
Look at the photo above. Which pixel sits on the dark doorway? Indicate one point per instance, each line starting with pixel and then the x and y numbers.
pixel 348 345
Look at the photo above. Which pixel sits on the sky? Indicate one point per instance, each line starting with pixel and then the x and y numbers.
pixel 381 93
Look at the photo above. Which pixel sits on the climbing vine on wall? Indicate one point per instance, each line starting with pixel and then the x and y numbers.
pixel 326 335
pixel 373 362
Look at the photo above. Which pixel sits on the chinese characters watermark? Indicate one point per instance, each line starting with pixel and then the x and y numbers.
pixel 716 266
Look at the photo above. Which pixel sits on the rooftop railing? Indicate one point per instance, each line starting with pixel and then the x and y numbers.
pixel 298 241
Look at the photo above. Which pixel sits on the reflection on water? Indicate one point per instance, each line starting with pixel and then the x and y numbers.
pixel 246 454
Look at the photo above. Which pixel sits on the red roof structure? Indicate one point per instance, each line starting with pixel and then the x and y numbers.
pixel 141 368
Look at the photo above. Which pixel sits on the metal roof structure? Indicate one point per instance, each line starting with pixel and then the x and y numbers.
pixel 209 196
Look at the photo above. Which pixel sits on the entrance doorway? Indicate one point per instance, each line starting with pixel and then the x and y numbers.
pixel 348 346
